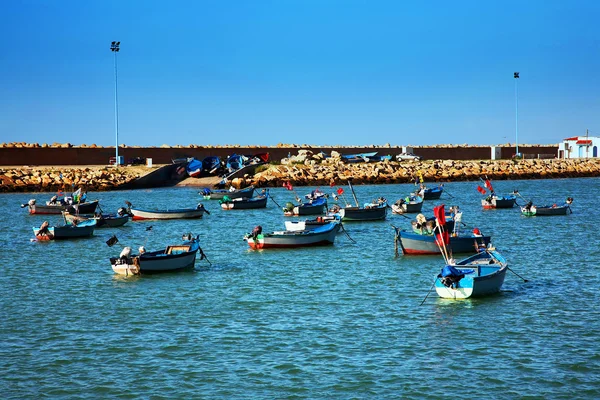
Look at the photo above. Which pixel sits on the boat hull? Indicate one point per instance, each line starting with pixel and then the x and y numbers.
pixel 219 194
pixel 84 229
pixel 50 209
pixel 320 236
pixel 318 206
pixel 545 211
pixel 416 244
pixel 139 215
pixel 433 193
pixel 506 202
pixel 157 262
pixel 407 208
pixel 363 214
pixel 245 204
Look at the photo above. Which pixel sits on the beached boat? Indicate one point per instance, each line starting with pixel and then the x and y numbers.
pixel 172 258
pixel 531 210
pixel 211 165
pixel 319 236
pixel 408 205
pixel 55 206
pixel 244 203
pixel 357 158
pixel 47 232
pixel 479 275
pixel 181 213
pixel 312 207
pixel 194 168
pixel 413 243
pixel 232 193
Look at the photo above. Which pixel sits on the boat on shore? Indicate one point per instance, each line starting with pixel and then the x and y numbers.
pixel 170 259
pixel 319 236
pixel 479 275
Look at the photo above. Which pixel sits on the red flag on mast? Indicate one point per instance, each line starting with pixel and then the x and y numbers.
pixel 340 191
pixel 440 214
pixel 481 190
pixel 488 185
pixel 288 185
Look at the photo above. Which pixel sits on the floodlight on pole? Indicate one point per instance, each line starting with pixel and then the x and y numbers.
pixel 115 47
pixel 516 76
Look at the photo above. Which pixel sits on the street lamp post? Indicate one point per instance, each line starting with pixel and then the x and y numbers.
pixel 516 76
pixel 114 47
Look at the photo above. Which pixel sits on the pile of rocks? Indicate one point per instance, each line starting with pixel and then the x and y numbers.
pixel 54 179
pixel 308 170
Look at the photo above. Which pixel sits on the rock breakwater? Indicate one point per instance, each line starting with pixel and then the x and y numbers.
pixel 65 179
pixel 316 172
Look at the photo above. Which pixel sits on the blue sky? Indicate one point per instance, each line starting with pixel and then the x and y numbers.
pixel 306 72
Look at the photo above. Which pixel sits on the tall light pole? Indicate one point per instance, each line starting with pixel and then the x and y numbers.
pixel 516 76
pixel 114 47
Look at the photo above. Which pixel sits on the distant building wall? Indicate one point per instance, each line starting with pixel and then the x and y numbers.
pixel 15 156
pixel 579 147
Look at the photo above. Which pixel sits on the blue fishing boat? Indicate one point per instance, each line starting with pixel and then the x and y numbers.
pixel 235 162
pixel 430 193
pixel 358 158
pixel 479 275
pixel 194 168
pixel 211 165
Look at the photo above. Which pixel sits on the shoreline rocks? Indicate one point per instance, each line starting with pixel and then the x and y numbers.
pixel 310 172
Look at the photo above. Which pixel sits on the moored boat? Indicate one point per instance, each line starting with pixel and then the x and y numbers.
pixel 181 213
pixel 431 193
pixel 408 205
pixel 422 244
pixel 172 258
pixel 530 210
pixel 244 203
pixel 47 232
pixel 319 236
pixel 232 193
pixel 495 201
pixel 102 220
pixel 58 206
pixel 310 223
pixel 479 275
pixel 312 207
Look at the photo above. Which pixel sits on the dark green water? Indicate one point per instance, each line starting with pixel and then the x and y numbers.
pixel 333 322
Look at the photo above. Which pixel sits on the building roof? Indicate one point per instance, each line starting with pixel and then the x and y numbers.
pixel 583 142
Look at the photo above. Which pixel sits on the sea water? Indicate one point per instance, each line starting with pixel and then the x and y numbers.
pixel 335 322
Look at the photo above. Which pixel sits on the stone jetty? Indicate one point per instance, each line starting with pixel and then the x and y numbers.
pixel 306 169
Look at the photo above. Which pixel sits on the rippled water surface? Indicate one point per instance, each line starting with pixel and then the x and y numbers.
pixel 332 322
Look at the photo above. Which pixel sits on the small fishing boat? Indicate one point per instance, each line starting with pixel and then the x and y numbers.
pixel 172 258
pixel 373 211
pixel 319 236
pixel 47 232
pixel 312 207
pixel 57 206
pixel 211 165
pixel 232 193
pixel 194 168
pixel 102 220
pixel 530 210
pixel 310 223
pixel 244 203
pixel 408 205
pixel 181 213
pixel 430 193
pixel 235 162
pixel 495 201
pixel 479 275
pixel 413 243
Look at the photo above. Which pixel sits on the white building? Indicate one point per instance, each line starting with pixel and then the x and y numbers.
pixel 579 147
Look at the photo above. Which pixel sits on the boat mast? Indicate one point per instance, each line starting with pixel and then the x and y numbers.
pixel 353 194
